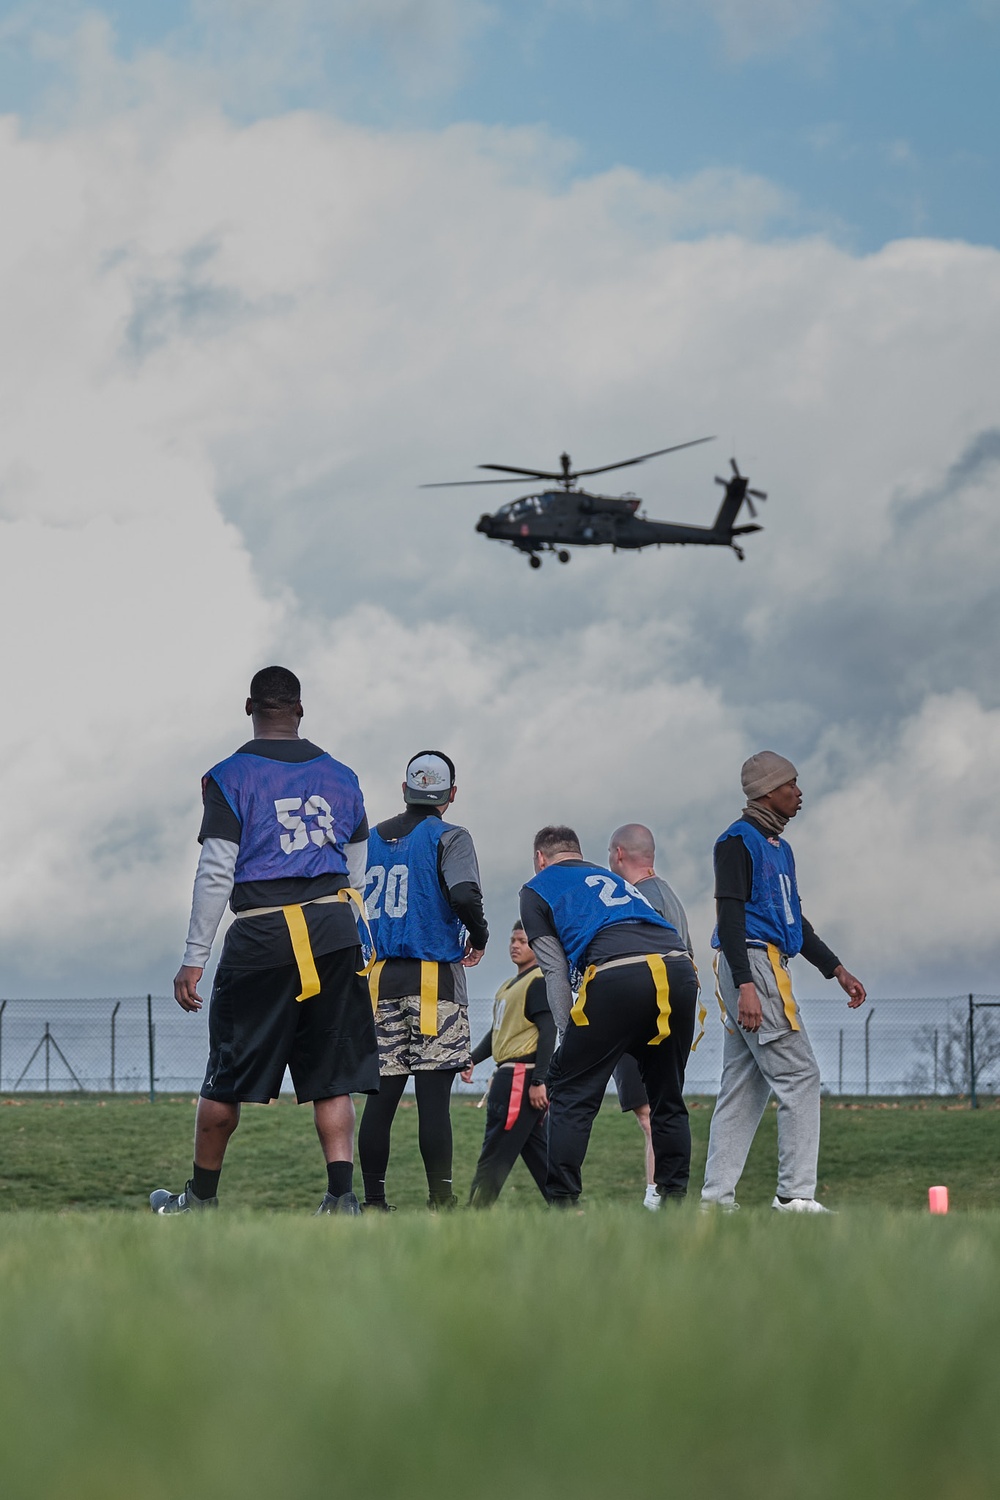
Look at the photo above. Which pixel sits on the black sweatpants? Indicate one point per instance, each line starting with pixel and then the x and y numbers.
pixel 621 1013
pixel 502 1147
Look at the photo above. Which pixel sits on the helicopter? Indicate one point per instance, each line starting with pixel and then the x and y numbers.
pixel 556 519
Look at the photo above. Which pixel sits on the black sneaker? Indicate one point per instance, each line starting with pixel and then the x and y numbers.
pixel 347 1203
pixel 162 1202
pixel 436 1204
pixel 377 1206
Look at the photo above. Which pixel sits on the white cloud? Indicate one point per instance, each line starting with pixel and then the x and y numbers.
pixel 232 352
pixel 902 857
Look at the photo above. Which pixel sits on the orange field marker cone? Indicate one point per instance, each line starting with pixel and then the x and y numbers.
pixel 937 1198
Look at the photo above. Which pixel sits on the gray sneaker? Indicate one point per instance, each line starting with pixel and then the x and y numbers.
pixel 800 1206
pixel 347 1203
pixel 162 1202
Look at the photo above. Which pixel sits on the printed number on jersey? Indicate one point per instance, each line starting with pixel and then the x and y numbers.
pixel 606 888
pixel 314 826
pixel 393 884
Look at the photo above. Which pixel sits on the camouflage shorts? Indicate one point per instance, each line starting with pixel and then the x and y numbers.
pixel 402 1048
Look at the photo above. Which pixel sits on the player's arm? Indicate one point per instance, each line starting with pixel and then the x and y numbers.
pixel 733 884
pixel 536 1009
pixel 536 918
pixel 459 872
pixel 480 1052
pixel 356 854
pixel 213 886
pixel 815 951
pixel 219 837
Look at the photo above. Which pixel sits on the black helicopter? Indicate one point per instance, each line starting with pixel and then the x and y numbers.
pixel 570 517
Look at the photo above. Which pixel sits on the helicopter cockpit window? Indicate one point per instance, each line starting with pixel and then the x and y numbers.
pixel 528 505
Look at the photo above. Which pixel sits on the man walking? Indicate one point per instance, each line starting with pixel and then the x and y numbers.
pixel 631 854
pixel 760 927
pixel 637 995
pixel 520 1041
pixel 425 905
pixel 283 839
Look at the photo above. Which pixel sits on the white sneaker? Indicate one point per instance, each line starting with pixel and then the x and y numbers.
pixel 800 1206
pixel 652 1198
pixel 713 1206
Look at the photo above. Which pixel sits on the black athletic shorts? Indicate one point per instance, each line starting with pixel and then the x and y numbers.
pixel 628 1081
pixel 256 1028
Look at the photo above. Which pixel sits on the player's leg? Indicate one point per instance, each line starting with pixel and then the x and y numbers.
pixel 335 1055
pixel 579 1074
pixel 785 1058
pixel 394 1026
pixel 662 1066
pixel 535 1148
pixel 740 1103
pixel 505 1139
pixel 433 1089
pixel 435 1061
pixel 251 1025
pixel 496 1157
pixel 375 1136
pixel 632 1099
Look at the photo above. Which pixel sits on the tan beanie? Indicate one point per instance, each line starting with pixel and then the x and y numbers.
pixel 764 772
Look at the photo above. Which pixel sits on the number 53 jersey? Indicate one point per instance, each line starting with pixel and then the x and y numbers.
pixel 294 817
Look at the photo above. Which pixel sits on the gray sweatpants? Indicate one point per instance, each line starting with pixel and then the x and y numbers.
pixel 775 1060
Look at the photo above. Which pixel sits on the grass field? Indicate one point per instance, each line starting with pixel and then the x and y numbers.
pixel 94 1153
pixel 609 1354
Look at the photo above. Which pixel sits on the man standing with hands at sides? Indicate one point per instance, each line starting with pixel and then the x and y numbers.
pixel 637 994
pixel 520 1041
pixel 760 927
pixel 283 840
pixel 631 853
pixel 425 905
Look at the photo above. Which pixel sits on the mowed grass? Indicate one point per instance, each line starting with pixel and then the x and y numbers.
pixel 610 1353
pixel 80 1153
pixel 617 1353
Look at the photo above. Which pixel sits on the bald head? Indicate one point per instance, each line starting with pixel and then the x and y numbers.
pixel 631 850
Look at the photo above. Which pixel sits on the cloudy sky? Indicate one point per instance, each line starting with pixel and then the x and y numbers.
pixel 265 270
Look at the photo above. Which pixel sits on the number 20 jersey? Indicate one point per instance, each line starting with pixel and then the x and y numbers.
pixel 407 911
pixel 295 817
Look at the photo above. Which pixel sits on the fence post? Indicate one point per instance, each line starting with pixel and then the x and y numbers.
pixel 973 1100
pixel 936 1059
pixel 3 1007
pixel 840 1064
pixel 868 1022
pixel 152 1056
pixel 118 1006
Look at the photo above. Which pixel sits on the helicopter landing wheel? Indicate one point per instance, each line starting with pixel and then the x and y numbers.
pixel 534 561
pixel 563 556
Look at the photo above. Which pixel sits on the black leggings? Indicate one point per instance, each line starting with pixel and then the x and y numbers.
pixel 433 1124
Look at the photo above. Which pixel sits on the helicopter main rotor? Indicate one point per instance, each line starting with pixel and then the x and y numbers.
pixel 567 475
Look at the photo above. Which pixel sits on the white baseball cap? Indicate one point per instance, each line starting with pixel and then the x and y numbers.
pixel 430 777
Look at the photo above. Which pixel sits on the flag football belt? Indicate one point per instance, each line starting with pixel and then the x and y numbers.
pixel 655 962
pixel 295 919
pixel 428 992
pixel 521 1071
pixel 779 966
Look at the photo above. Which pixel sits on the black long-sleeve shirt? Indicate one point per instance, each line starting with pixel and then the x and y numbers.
pixel 733 886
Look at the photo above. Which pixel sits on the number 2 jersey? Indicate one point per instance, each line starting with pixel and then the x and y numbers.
pixel 292 810
pixel 594 914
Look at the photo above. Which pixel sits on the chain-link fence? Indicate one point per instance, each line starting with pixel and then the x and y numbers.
pixel 145 1044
